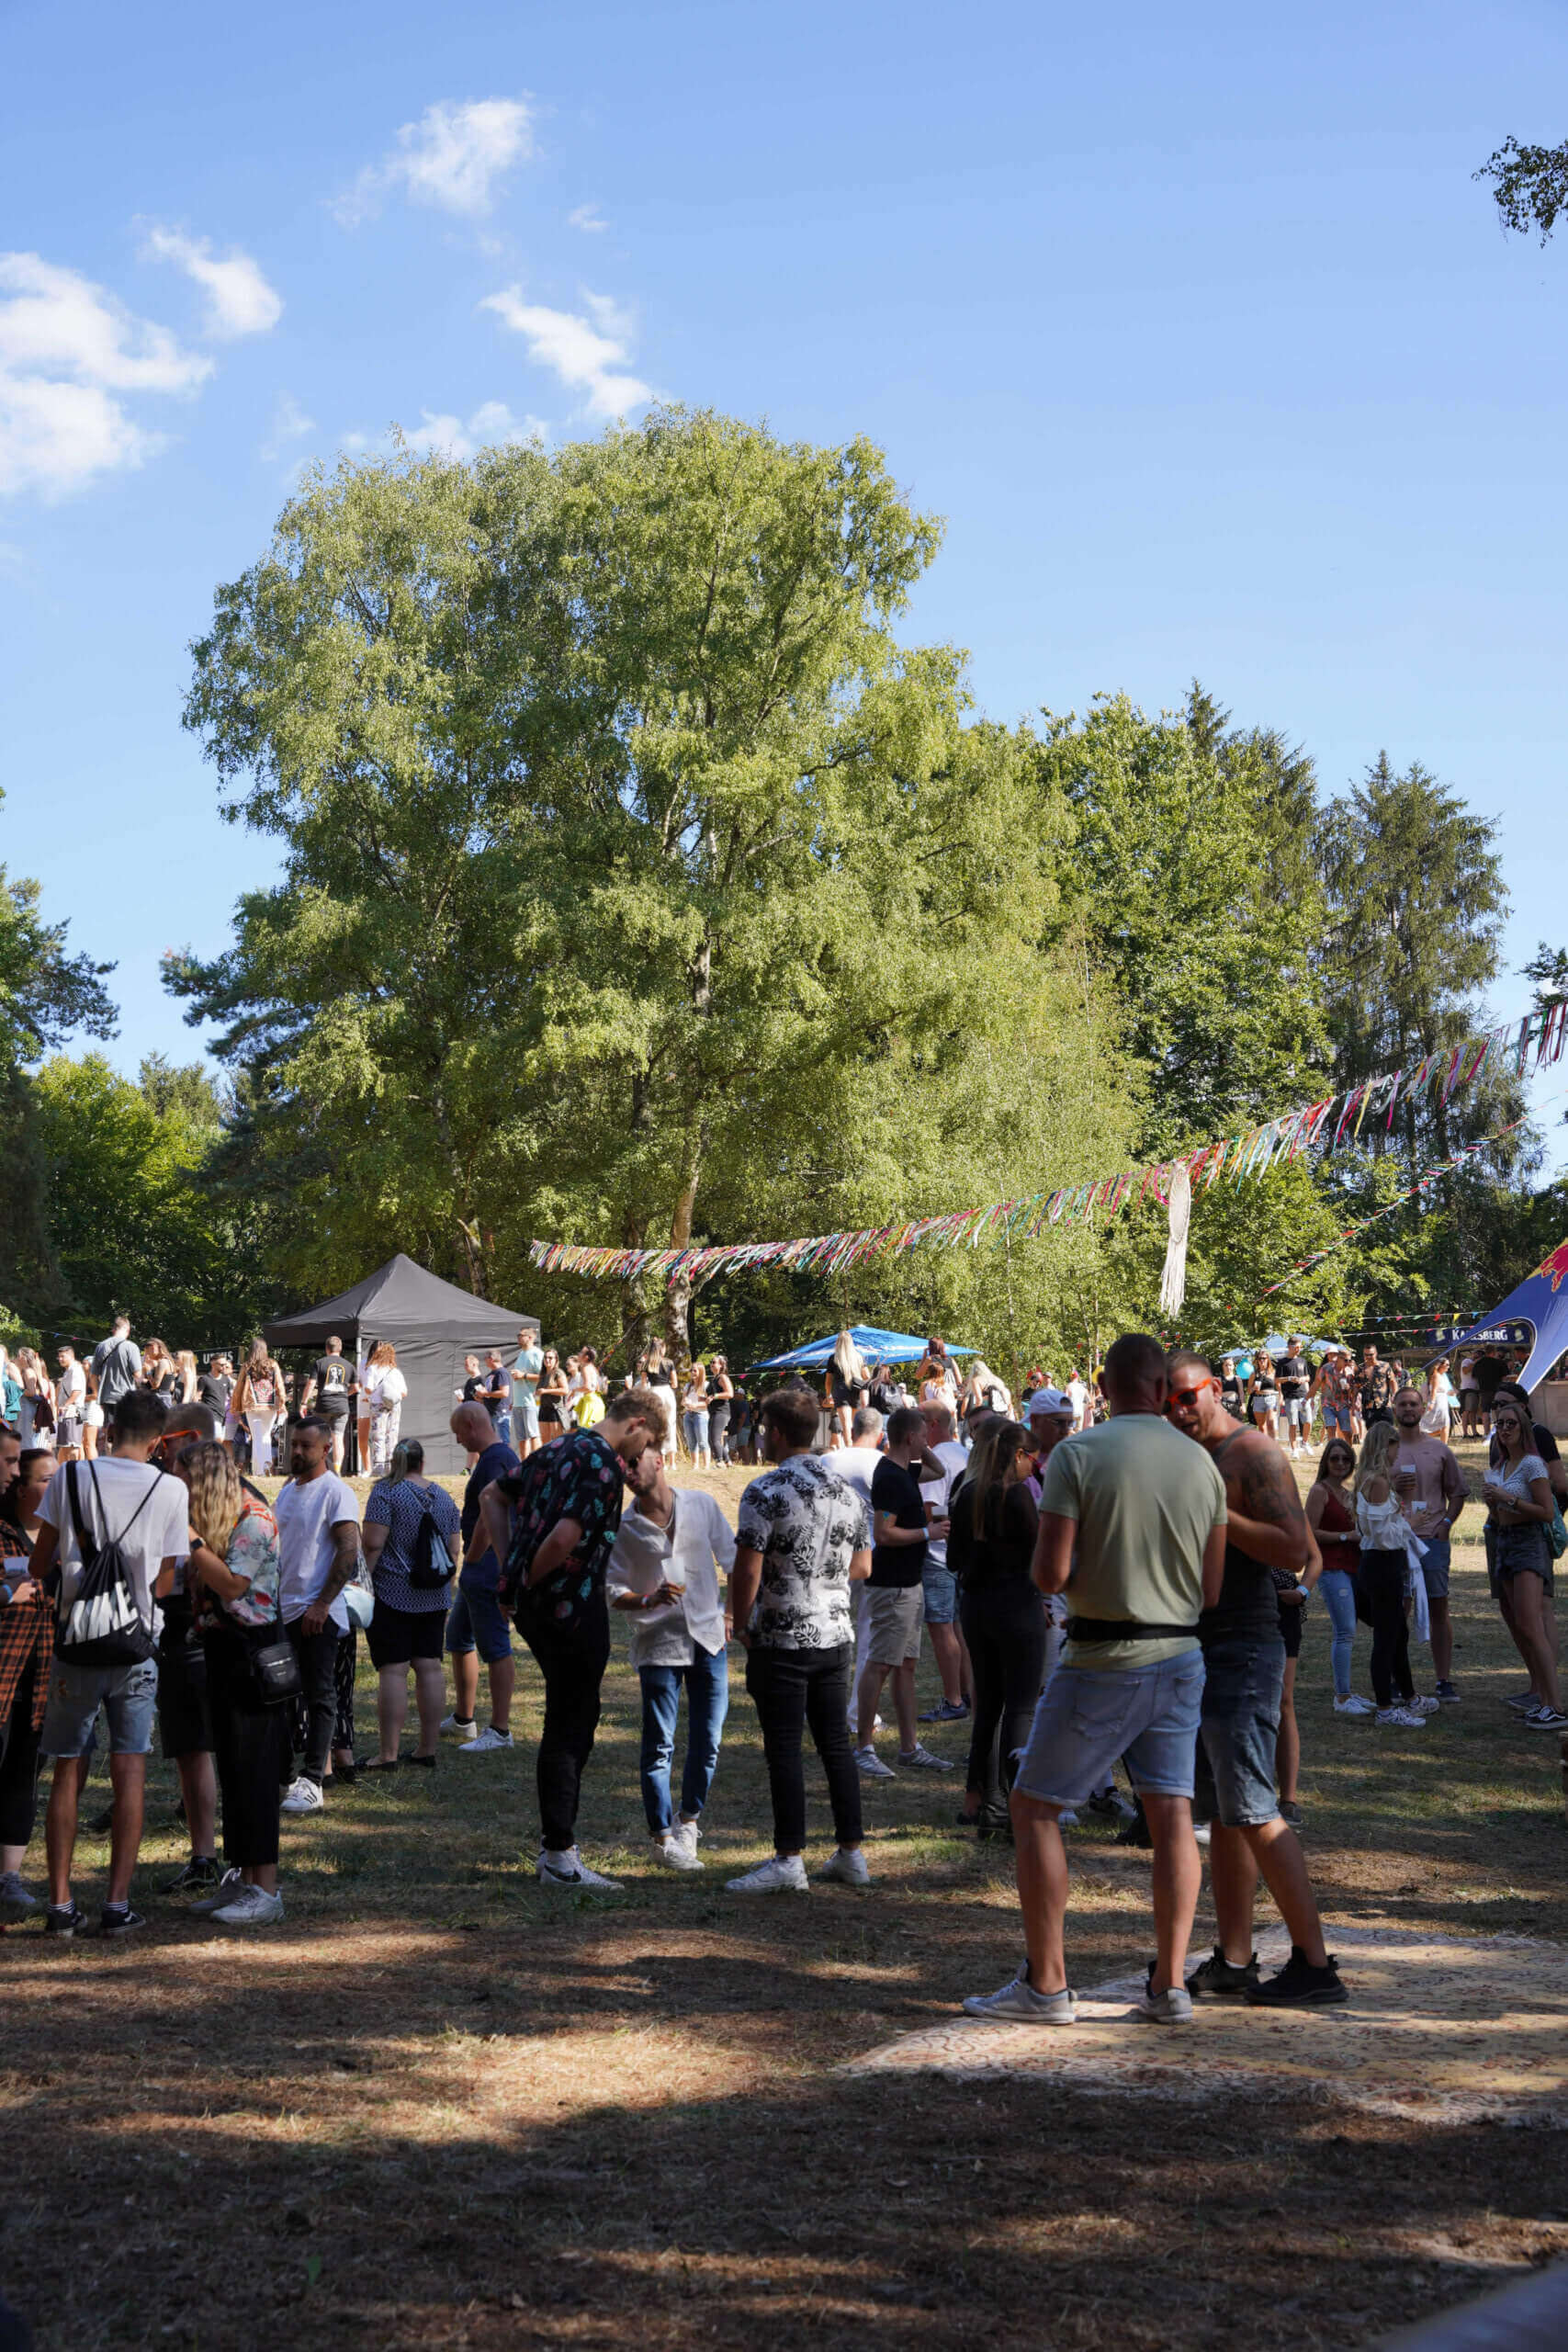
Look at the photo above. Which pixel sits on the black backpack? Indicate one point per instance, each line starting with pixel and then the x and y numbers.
pixel 103 1625
pixel 430 1561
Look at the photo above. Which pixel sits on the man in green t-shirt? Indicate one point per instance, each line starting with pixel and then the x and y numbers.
pixel 1133 1530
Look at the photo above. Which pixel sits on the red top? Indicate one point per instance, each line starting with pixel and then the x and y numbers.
pixel 1338 1520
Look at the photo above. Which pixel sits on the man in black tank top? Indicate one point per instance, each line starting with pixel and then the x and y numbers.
pixel 1243 1658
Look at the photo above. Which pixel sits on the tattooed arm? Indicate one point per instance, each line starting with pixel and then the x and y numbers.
pixel 1267 1521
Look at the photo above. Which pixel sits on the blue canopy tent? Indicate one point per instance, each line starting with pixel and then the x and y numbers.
pixel 1540 1301
pixel 875 1347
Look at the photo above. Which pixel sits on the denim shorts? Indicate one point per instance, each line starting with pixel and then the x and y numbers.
pixel 1337 1420
pixel 1148 1714
pixel 1435 1566
pixel 1242 1698
pixel 127 1694
pixel 475 1620
pixel 941 1588
pixel 1519 1551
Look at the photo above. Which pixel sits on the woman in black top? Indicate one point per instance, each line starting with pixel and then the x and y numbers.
pixel 849 1384
pixel 990 1548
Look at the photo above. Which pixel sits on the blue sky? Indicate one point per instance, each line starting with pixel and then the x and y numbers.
pixel 1194 327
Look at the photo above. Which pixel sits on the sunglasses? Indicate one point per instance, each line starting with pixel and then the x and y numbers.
pixel 1185 1397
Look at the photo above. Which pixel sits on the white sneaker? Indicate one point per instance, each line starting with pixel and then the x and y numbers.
pixel 688 1832
pixel 487 1741
pixel 1066 1819
pixel 872 1766
pixel 921 1759
pixel 251 1906
pixel 456 1723
pixel 675 1854
pixel 1173 2006
pixel 568 1869
pixel 781 1874
pixel 225 1891
pixel 1401 1720
pixel 1423 1706
pixel 303 1797
pixel 843 1870
pixel 1200 1832
pixel 1354 1705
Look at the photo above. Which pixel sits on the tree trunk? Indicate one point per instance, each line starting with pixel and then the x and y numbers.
pixel 678 1295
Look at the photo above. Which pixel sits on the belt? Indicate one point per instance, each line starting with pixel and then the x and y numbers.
pixel 1125 1629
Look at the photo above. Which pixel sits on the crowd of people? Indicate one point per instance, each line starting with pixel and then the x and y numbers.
pixel 1111 1580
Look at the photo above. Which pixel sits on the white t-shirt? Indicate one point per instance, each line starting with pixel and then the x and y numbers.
pixel 1078 1396
pixel 385 1384
pixel 856 1465
pixel 306 1515
pixel 937 1494
pixel 108 1492
pixel 73 1390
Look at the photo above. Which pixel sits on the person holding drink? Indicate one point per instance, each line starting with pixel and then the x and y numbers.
pixel 670 1550
pixel 1517 1488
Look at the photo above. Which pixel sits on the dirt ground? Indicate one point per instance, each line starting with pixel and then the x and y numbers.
pixel 441 2106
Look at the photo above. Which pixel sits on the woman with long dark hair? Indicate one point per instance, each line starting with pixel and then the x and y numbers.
pixel 1331 1515
pixel 1519 1507
pixel 990 1548
pixel 721 1392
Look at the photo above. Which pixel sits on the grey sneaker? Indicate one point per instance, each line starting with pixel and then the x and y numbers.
pixel 920 1759
pixel 227 1888
pixel 1173 2006
pixel 1018 2003
pixel 16 1903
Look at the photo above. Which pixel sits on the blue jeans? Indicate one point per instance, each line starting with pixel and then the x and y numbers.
pixel 1340 1600
pixel 696 1431
pixel 707 1702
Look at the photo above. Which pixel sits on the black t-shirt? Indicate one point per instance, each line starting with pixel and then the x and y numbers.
pixel 897 1491
pixel 214 1388
pixel 332 1376
pixel 1247 1606
pixel 471 1388
pixel 1489 1370
pixel 1292 1376
pixel 1230 1395
pixel 1002 1558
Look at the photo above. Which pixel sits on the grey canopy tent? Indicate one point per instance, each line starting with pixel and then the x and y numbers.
pixel 432 1324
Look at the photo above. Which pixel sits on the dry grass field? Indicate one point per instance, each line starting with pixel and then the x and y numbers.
pixel 442 2107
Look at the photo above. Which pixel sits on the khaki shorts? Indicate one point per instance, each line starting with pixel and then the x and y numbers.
pixel 894 1614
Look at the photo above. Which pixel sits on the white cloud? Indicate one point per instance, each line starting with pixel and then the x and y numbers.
pixel 490 424
pixel 239 299
pixel 455 157
pixel 289 423
pixel 588 218
pixel 588 354
pixel 68 352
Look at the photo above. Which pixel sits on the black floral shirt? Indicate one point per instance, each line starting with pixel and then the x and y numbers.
pixel 807 1524
pixel 577 1476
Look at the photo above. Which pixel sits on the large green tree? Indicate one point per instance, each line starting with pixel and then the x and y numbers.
pixel 639 884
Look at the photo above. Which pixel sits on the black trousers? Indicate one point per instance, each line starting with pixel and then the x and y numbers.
pixel 344 1671
pixel 251 1745
pixel 794 1689
pixel 316 1712
pixel 571 1659
pixel 1383 1581
pixel 19 1764
pixel 1004 1625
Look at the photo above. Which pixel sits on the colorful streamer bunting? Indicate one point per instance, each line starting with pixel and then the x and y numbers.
pixel 1252 1153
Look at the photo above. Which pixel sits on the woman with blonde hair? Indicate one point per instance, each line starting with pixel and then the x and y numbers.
pixel 848 1385
pixel 158 1371
pixel 1390 1548
pixel 656 1372
pixel 232 1573
pixel 185 1377
pixel 384 1389
pixel 261 1394
pixel 695 1414
pixel 35 1413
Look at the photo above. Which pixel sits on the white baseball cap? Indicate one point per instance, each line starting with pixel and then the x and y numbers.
pixel 1050 1400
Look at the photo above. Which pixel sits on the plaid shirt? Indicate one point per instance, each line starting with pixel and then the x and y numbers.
pixel 26 1638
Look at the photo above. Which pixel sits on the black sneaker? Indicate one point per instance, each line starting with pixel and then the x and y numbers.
pixel 200 1872
pixel 64 1921
pixel 118 1919
pixel 1136 1833
pixel 1446 1692
pixel 1216 1979
pixel 1299 1985
pixel 1290 1813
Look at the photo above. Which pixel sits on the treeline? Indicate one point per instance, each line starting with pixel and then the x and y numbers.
pixel 641 884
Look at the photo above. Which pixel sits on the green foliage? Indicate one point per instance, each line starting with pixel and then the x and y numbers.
pixel 638 883
pixel 130 1224
pixel 1529 184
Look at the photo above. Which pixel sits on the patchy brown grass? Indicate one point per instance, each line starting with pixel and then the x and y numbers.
pixel 440 2106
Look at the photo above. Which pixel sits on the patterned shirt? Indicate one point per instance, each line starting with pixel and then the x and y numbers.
pixel 27 1633
pixel 577 1476
pixel 1377 1388
pixel 253 1552
pixel 399 1509
pixel 807 1524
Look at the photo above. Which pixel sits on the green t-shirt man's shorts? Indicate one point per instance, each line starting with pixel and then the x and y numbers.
pixel 1146 1501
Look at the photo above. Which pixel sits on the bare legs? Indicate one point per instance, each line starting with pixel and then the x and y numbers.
pixel 1236 1858
pixel 1288 1745
pixel 1040 1860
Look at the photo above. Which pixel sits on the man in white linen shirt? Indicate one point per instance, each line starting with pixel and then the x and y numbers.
pixel 664 1575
